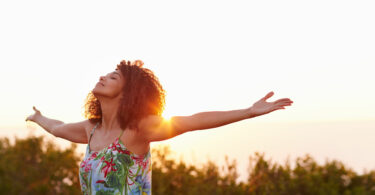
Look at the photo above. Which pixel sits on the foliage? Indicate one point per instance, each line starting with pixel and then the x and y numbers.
pixel 265 177
pixel 34 166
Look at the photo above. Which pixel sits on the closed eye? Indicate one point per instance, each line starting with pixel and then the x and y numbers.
pixel 113 73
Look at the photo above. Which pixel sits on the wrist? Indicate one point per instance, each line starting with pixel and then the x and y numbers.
pixel 38 118
pixel 249 112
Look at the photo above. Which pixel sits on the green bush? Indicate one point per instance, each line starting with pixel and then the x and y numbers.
pixel 35 166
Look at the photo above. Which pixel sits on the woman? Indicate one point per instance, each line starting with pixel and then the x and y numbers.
pixel 124 110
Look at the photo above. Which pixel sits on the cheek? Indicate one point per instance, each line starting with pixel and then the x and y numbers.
pixel 114 87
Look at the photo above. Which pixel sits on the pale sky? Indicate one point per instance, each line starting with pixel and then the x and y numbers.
pixel 208 55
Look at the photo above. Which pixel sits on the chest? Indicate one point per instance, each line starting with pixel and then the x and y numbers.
pixel 129 138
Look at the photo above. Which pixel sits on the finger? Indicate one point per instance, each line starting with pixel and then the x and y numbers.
pixel 284 100
pixel 286 103
pixel 36 110
pixel 279 107
pixel 280 103
pixel 283 105
pixel 270 94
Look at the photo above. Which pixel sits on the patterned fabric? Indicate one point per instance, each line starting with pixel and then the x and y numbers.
pixel 115 170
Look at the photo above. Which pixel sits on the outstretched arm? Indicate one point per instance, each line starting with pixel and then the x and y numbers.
pixel 74 132
pixel 156 128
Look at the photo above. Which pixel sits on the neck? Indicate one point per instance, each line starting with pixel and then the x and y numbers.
pixel 109 107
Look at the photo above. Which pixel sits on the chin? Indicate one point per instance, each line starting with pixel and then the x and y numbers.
pixel 96 92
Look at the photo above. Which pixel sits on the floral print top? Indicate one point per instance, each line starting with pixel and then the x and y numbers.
pixel 115 170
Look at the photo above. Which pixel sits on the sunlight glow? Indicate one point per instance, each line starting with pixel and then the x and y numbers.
pixel 323 62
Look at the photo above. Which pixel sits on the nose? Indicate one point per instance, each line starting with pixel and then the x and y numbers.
pixel 101 78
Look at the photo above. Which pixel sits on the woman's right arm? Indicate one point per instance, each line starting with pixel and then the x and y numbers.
pixel 74 132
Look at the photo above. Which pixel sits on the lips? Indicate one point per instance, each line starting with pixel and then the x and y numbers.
pixel 100 83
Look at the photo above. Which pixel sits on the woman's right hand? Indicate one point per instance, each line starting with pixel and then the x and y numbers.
pixel 34 116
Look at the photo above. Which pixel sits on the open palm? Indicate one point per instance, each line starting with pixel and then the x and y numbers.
pixel 262 107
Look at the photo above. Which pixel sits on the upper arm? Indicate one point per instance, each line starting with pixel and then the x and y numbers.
pixel 74 132
pixel 157 128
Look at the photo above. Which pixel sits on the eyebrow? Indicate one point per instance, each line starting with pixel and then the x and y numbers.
pixel 117 73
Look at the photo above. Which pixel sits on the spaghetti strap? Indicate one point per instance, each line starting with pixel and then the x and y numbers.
pixel 119 137
pixel 92 132
pixel 100 171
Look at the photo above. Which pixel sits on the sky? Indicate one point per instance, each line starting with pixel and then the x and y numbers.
pixel 208 56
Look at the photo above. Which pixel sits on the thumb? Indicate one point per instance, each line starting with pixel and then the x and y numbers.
pixel 270 94
pixel 36 110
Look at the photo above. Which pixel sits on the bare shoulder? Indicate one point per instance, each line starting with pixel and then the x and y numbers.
pixel 149 121
pixel 75 131
pixel 157 128
pixel 146 125
pixel 89 126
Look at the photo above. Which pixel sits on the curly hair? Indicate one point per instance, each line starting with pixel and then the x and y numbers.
pixel 143 95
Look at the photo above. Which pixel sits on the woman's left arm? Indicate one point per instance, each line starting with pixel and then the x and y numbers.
pixel 156 128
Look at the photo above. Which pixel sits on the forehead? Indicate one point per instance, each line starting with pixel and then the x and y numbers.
pixel 116 72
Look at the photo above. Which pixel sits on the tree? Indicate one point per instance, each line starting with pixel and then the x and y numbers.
pixel 34 166
pixel 31 166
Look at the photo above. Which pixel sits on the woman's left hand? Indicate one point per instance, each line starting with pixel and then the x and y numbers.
pixel 262 107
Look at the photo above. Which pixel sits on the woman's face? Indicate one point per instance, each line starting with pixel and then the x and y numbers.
pixel 110 85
